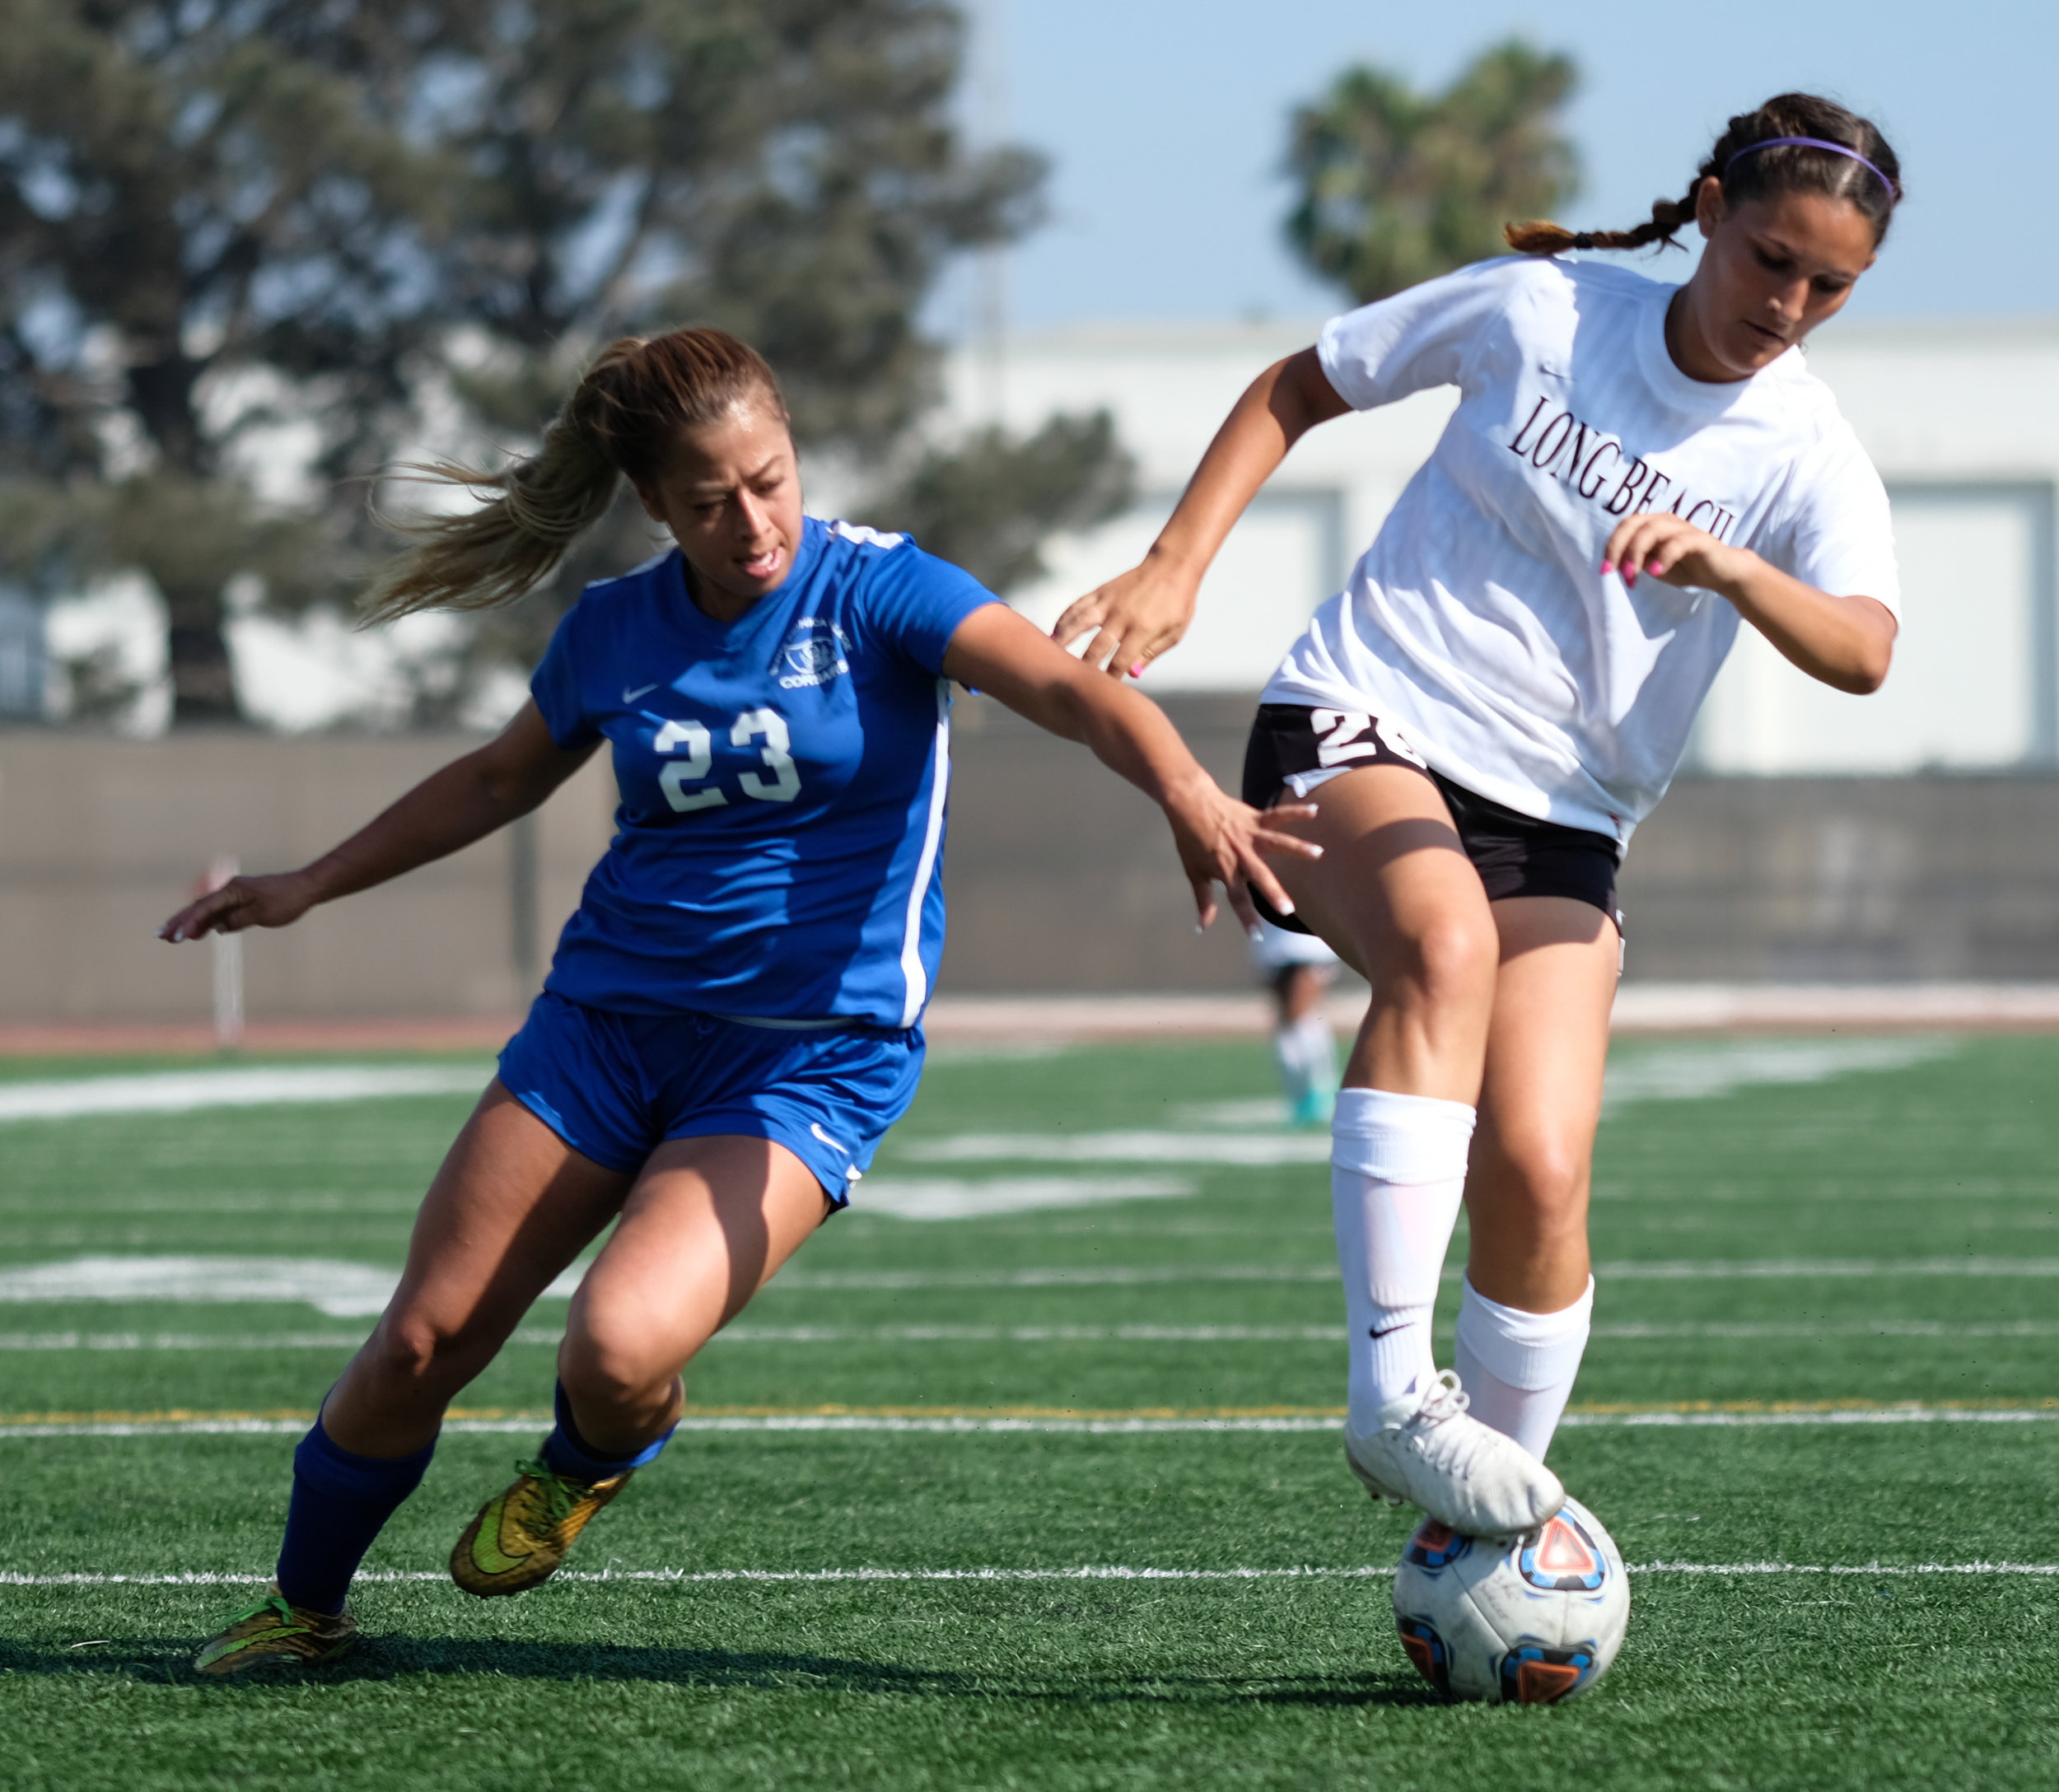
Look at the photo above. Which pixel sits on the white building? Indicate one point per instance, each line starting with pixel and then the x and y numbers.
pixel 1961 419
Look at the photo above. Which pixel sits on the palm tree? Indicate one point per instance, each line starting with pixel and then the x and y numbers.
pixel 1397 186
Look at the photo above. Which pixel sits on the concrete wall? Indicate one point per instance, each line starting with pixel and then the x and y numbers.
pixel 1061 878
pixel 101 839
pixel 1847 880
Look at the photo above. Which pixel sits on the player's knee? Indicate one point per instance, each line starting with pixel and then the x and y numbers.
pixel 1549 1175
pixel 1455 959
pixel 415 1349
pixel 610 1364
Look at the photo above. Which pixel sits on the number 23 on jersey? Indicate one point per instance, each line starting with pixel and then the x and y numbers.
pixel 683 779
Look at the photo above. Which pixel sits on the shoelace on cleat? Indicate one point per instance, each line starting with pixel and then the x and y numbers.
pixel 558 1498
pixel 1455 1448
pixel 1446 1398
pixel 275 1602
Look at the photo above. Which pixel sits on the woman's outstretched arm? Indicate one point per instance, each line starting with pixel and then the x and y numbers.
pixel 1847 643
pixel 511 774
pixel 1140 615
pixel 1220 839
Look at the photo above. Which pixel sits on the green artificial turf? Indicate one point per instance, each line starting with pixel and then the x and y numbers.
pixel 1878 1677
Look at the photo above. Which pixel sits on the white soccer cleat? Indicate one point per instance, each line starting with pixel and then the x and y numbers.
pixel 1463 1474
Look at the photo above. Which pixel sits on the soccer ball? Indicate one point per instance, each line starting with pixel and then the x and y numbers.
pixel 1527 1623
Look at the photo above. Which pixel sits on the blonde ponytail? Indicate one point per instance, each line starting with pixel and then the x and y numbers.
pixel 624 419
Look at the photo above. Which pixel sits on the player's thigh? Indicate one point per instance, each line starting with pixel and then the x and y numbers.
pixel 1540 1097
pixel 512 1206
pixel 1393 894
pixel 707 1224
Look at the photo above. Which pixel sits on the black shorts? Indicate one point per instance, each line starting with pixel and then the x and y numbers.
pixel 1516 855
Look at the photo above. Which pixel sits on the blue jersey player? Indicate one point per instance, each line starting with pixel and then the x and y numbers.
pixel 733 1017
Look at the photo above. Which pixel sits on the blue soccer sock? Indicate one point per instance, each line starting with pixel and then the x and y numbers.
pixel 341 1502
pixel 568 1453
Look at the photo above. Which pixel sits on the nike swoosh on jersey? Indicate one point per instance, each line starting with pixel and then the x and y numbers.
pixel 630 697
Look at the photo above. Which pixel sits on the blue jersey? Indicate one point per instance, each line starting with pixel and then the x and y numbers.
pixel 778 850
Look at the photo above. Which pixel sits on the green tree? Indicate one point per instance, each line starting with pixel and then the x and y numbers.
pixel 1397 186
pixel 201 206
pixel 237 234
pixel 988 502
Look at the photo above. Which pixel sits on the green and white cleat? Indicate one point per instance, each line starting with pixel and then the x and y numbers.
pixel 273 1634
pixel 521 1535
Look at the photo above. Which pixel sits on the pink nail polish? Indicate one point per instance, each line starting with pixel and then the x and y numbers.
pixel 1608 566
pixel 1655 569
pixel 1136 671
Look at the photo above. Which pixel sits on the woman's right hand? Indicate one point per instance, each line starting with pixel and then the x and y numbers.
pixel 273 901
pixel 1137 617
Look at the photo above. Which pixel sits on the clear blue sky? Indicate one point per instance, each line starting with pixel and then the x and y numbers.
pixel 1166 124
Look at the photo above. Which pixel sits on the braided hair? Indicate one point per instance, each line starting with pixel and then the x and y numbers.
pixel 1787 168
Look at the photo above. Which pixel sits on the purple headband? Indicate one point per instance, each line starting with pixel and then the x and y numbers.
pixel 1822 142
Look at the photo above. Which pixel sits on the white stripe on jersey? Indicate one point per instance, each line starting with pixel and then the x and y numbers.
pixel 865 535
pixel 911 939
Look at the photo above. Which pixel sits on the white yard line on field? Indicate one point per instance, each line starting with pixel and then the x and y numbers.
pixel 239 1340
pixel 1700 1069
pixel 1687 1070
pixel 185 1091
pixel 832 1576
pixel 1236 1150
pixel 354 1290
pixel 903 1198
pixel 734 1334
pixel 1684 1071
pixel 1835 1268
pixel 963 1423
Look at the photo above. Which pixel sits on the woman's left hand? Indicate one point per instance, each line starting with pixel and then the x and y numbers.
pixel 1846 641
pixel 1220 841
pixel 1668 548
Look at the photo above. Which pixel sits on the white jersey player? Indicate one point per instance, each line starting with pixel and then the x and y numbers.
pixel 1501 693
pixel 1297 969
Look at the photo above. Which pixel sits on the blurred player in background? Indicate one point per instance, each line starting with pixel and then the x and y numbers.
pixel 1501 693
pixel 1298 968
pixel 733 1016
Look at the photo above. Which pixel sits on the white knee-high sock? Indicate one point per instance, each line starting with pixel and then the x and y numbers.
pixel 1518 1367
pixel 1398 1168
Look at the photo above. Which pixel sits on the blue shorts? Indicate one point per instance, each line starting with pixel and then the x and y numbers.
pixel 615 1086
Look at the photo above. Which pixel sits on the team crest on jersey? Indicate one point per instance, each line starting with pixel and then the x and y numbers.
pixel 812 654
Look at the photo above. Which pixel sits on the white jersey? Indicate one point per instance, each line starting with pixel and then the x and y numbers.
pixel 1479 620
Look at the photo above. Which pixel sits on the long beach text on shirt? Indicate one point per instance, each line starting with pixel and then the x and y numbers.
pixel 1587 460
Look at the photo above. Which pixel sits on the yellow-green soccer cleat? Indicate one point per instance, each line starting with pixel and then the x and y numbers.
pixel 273 1634
pixel 522 1536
